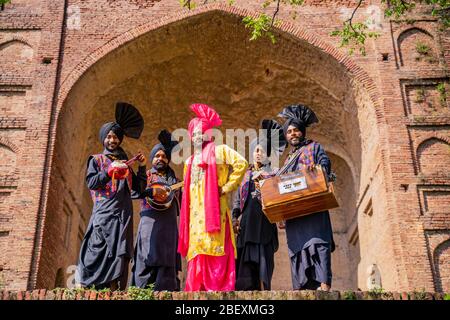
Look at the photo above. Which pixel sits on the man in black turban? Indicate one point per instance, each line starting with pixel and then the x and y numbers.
pixel 257 239
pixel 156 260
pixel 107 245
pixel 310 238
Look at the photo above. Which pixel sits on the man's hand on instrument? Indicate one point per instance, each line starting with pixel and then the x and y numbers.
pixel 113 168
pixel 148 192
pixel 281 224
pixel 111 171
pixel 311 167
pixel 142 159
pixel 159 194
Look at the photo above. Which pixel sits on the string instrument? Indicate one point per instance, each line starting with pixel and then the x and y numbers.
pixel 291 195
pixel 160 194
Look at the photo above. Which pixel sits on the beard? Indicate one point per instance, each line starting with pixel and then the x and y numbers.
pixel 296 141
pixel 160 166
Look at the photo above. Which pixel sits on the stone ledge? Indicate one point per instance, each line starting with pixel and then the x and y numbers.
pixel 13 123
pixel 8 181
pixel 146 294
pixel 15 83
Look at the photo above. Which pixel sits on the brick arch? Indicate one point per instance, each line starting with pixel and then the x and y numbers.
pixel 8 168
pixel 16 54
pixel 356 76
pixel 433 136
pixel 15 39
pixel 344 221
pixel 5 142
pixel 415 29
pixel 423 145
pixel 333 148
pixel 286 27
pixel 407 34
pixel 59 278
pixel 442 274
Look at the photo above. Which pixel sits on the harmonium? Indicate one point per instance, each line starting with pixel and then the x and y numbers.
pixel 297 194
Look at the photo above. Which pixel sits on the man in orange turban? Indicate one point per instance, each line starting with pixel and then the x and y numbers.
pixel 206 235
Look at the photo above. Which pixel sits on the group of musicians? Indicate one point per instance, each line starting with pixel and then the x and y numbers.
pixel 225 249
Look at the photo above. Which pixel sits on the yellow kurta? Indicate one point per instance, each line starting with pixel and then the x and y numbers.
pixel 200 241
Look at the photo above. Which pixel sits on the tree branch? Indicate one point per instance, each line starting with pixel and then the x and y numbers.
pixel 187 3
pixel 275 13
pixel 353 15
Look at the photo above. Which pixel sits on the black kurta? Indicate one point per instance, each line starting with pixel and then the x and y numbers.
pixel 310 238
pixel 156 260
pixel 107 246
pixel 256 243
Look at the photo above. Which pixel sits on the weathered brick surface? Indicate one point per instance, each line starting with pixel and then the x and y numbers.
pixel 236 295
pixel 384 122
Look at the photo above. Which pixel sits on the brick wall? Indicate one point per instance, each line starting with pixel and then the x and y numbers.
pixel 58 294
pixel 384 121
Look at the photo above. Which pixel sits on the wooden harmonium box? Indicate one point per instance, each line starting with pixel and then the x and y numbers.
pixel 297 194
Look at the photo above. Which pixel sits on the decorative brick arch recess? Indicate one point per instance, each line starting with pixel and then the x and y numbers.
pixel 406 34
pixel 15 39
pixel 431 137
pixel 358 75
pixel 5 142
pixel 437 253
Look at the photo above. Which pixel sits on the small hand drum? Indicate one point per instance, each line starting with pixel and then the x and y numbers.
pixel 120 170
pixel 162 196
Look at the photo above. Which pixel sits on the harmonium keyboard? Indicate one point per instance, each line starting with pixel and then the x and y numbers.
pixel 297 194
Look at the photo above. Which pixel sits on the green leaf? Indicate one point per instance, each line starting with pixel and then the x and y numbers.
pixel 397 8
pixel 354 35
pixel 296 2
pixel 260 26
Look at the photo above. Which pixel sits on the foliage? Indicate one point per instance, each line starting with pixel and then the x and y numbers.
pixel 133 293
pixel 141 294
pixel 259 27
pixel 439 8
pixel 420 295
pixel 353 35
pixel 420 95
pixel 376 292
pixel 442 94
pixel 349 295
pixel 422 48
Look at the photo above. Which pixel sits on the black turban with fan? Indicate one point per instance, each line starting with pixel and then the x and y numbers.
pixel 166 144
pixel 273 138
pixel 129 122
pixel 298 115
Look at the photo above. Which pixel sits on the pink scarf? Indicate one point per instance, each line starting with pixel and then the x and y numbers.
pixel 211 200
